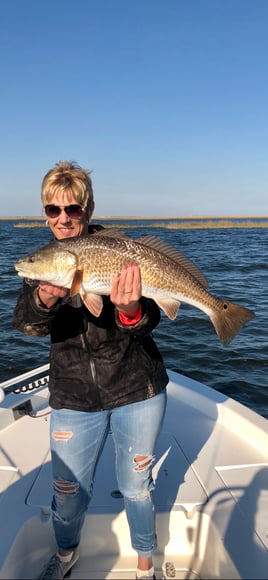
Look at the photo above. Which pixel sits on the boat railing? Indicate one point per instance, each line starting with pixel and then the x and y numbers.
pixel 21 384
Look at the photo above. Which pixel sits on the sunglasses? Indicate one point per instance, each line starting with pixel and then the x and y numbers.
pixel 73 211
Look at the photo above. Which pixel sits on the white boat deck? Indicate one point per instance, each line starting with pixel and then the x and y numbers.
pixel 211 494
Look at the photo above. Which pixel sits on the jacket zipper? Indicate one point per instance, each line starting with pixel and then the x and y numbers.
pixel 92 367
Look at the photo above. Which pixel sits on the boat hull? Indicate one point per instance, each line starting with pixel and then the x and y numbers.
pixel 211 495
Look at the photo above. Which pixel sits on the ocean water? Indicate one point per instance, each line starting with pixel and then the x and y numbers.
pixel 234 260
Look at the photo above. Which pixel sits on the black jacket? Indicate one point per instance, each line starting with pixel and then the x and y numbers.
pixel 95 363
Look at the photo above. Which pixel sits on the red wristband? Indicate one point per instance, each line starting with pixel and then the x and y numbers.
pixel 127 320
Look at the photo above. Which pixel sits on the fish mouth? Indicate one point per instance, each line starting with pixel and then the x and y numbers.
pixel 23 272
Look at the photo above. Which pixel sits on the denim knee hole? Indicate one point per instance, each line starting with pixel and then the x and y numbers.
pixel 142 462
pixel 63 488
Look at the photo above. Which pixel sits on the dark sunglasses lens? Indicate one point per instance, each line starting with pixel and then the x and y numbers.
pixel 74 211
pixel 52 211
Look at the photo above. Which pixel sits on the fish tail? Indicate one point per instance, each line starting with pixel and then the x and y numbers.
pixel 228 320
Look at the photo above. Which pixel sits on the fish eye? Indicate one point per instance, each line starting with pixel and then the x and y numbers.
pixel 31 259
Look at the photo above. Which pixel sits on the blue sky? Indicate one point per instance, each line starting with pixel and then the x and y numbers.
pixel 165 100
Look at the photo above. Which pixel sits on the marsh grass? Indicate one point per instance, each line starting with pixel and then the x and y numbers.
pixel 176 225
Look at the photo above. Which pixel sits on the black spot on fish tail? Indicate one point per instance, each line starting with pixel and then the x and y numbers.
pixel 228 320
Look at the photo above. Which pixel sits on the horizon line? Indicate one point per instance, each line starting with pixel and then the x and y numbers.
pixel 154 217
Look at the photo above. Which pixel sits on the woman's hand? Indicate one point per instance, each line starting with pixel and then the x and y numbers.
pixel 49 294
pixel 126 290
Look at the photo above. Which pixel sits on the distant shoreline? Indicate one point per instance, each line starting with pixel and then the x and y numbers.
pixel 179 223
pixel 159 217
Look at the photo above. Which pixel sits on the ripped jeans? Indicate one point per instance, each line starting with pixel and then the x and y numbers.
pixel 77 439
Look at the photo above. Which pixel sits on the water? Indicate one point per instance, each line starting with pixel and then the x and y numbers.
pixel 235 264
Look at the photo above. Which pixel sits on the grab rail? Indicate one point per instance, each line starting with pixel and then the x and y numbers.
pixel 14 385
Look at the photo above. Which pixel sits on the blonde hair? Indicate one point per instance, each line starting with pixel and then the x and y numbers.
pixel 70 178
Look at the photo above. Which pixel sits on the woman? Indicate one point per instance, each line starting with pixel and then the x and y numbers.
pixel 105 373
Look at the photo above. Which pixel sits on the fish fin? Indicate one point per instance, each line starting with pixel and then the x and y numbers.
pixel 175 255
pixel 168 305
pixel 77 281
pixel 111 233
pixel 93 302
pixel 229 319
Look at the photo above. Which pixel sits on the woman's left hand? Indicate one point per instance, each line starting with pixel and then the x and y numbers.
pixel 126 289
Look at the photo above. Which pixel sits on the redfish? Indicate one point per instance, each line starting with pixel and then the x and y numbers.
pixel 87 265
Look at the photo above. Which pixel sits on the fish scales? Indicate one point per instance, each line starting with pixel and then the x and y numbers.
pixel 87 265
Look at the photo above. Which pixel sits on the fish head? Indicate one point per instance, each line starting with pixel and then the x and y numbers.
pixel 52 263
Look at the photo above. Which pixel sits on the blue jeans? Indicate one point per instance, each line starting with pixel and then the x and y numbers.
pixel 77 439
